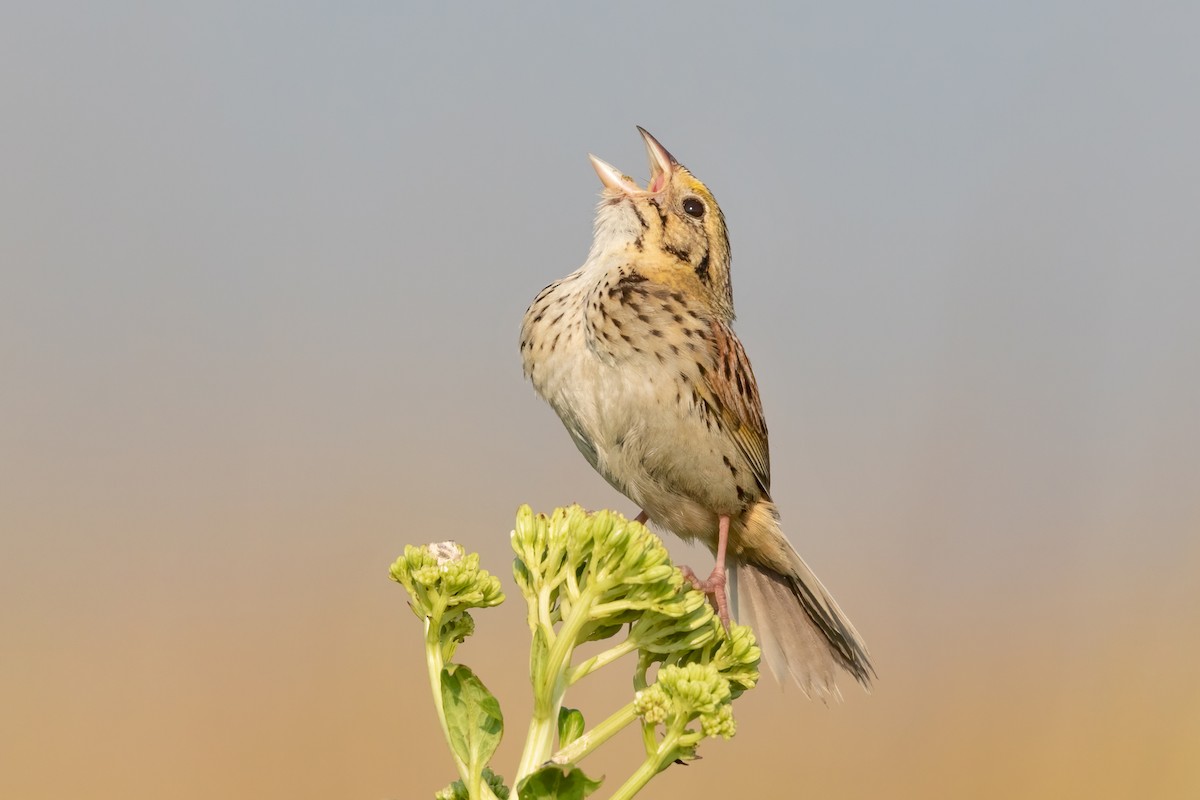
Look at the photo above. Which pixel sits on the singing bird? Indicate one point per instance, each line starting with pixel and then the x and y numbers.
pixel 636 353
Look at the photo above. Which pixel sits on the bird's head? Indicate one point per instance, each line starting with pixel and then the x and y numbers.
pixel 674 224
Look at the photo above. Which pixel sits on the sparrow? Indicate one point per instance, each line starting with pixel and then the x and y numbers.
pixel 635 352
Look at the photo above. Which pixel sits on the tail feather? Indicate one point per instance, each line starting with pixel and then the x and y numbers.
pixel 800 629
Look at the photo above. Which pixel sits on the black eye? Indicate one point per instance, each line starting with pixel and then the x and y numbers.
pixel 693 207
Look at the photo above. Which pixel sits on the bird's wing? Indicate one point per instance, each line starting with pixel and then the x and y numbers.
pixel 733 394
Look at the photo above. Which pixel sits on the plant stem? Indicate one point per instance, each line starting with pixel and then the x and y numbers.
pixel 585 744
pixel 600 660
pixel 549 688
pixel 433 662
pixel 477 789
pixel 649 768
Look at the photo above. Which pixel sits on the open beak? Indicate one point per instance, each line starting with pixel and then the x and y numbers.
pixel 612 178
pixel 662 164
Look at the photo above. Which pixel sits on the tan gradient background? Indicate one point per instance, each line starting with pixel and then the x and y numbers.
pixel 261 272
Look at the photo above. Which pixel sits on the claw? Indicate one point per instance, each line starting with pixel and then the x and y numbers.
pixel 714 586
pixel 690 577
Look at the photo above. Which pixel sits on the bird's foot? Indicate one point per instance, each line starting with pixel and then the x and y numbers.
pixel 714 587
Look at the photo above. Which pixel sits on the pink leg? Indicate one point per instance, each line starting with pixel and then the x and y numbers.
pixel 715 585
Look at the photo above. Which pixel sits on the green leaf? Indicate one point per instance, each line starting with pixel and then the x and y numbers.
pixel 602 632
pixel 455 791
pixel 473 717
pixel 553 783
pixel 570 725
pixel 458 789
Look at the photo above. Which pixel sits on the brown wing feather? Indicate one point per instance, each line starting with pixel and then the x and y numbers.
pixel 735 391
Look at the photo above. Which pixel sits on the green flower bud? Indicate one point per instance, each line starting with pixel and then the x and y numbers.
pixel 440 578
pixel 680 626
pixel 737 659
pixel 616 568
pixel 719 724
pixel 652 705
pixel 684 693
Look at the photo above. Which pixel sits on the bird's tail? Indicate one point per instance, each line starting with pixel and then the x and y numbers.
pixel 798 625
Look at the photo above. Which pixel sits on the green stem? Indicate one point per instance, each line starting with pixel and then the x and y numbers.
pixel 549 688
pixel 434 664
pixel 585 744
pixel 649 768
pixel 600 660
pixel 477 789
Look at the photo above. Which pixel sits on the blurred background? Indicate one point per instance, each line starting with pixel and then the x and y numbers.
pixel 262 269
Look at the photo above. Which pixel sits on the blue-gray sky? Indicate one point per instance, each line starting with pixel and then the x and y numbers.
pixel 261 274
